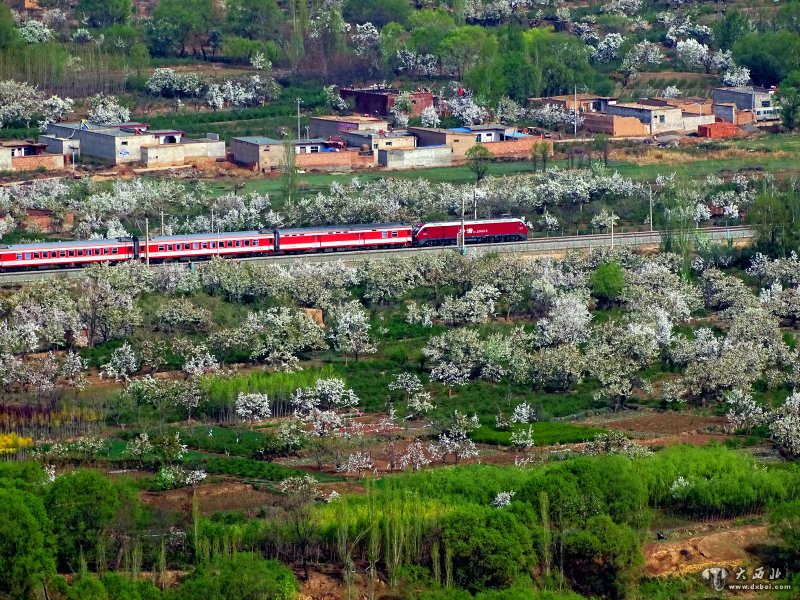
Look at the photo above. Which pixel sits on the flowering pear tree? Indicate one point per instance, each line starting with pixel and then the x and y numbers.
pixel 349 330
pixel 785 427
pixel 253 406
pixel 106 109
pixel 416 456
pixel 122 364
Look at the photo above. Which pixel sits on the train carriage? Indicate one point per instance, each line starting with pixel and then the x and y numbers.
pixel 343 237
pixel 49 255
pixel 204 245
pixel 482 231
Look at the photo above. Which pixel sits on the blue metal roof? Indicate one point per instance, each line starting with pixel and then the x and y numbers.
pixel 461 129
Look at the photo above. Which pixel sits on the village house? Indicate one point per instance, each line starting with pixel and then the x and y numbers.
pixel 131 142
pixel 380 100
pixel 25 155
pixel 586 103
pixel 660 119
pixel 266 154
pixel 334 125
pixel 759 100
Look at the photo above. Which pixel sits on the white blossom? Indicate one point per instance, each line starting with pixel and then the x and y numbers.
pixel 503 499
pixel 253 406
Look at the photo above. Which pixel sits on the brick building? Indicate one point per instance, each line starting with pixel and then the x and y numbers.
pixel 757 99
pixel 379 101
pixel 23 155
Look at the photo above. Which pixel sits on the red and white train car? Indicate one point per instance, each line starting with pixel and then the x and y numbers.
pixel 484 231
pixel 51 255
pixel 203 245
pixel 343 237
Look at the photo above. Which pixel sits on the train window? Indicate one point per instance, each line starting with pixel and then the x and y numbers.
pixel 238 243
pixel 89 252
pixel 115 251
pixel 62 253
pixel 35 255
pixel 27 256
pixel 169 247
pixel 255 242
pixel 105 250
pixel 247 242
pixel 19 256
pixel 53 254
pixel 80 252
pixel 161 248
pixel 230 244
pixel 195 245
pixel 394 234
pixel 205 245
pixel 384 234
pixel 212 245
pixel 72 252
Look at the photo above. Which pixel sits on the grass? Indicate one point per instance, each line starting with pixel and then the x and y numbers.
pixel 235 441
pixel 545 433
pixel 251 469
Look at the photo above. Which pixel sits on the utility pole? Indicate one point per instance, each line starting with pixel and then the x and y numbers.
pixel 463 229
pixel 308 137
pixel 612 229
pixel 147 241
pixel 575 113
pixel 212 220
pixel 651 207
pixel 299 101
pixel 475 204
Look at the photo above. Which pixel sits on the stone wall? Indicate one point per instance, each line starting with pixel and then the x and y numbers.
pixel 422 157
pixel 331 161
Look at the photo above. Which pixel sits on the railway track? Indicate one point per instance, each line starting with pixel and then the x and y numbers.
pixel 541 245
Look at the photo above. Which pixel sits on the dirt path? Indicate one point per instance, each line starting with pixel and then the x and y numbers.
pixel 692 555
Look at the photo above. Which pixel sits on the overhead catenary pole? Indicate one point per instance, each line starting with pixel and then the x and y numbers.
pixel 651 207
pixel 612 229
pixel 162 221
pixel 299 100
pixel 475 204
pixel 147 241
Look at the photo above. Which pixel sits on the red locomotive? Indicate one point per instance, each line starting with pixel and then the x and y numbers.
pixel 266 242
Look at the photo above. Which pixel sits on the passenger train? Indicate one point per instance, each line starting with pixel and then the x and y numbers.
pixel 265 242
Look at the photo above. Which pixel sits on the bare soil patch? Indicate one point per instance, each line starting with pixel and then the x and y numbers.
pixel 691 555
pixel 213 497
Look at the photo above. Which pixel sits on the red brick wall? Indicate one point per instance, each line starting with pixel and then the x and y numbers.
pixel 31 163
pixel 717 130
pixel 517 147
pixel 333 160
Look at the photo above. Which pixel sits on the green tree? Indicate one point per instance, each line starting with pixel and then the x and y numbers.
pixel 777 221
pixel 102 13
pixel 770 56
pixel 788 16
pixel 602 142
pixel 785 522
pixel 244 576
pixel 254 19
pixel 8 29
pixel 189 23
pixel 490 548
pixel 428 28
pixel 728 31
pixel 26 558
pixel 378 12
pixel 461 48
pixel 80 506
pixel 603 559
pixel 478 159
pixel 607 282
pixel 87 587
pixel 788 100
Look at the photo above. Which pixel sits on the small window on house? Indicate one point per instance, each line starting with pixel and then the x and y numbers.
pixel 374 146
pixel 765 103
pixel 313 149
pixel 660 118
pixel 124 143
pixel 388 143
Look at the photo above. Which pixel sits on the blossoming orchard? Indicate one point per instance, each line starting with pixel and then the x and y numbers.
pixel 382 300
